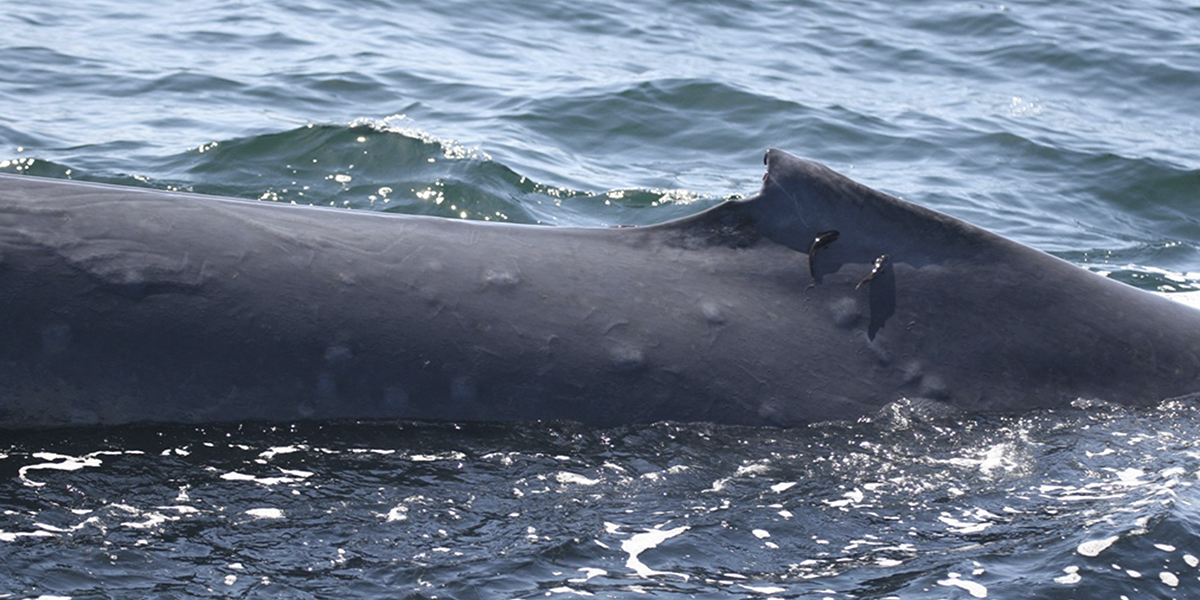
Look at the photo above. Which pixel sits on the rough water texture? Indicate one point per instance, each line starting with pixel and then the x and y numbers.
pixel 912 504
pixel 1068 126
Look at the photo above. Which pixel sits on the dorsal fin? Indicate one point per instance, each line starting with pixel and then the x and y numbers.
pixel 801 201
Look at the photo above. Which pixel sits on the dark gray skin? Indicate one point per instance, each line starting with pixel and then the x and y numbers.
pixel 126 305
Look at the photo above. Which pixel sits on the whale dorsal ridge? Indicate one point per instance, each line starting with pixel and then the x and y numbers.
pixel 804 202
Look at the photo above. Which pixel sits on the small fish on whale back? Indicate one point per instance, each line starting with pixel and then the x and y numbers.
pixel 815 299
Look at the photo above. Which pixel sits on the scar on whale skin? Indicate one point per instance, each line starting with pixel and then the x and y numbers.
pixel 881 294
pixel 880 265
pixel 823 239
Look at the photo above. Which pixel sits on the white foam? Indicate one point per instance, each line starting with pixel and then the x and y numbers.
pixel 569 590
pixel 588 574
pixel 152 520
pixel 265 513
pixel 641 542
pixel 290 477
pixel 1191 299
pixel 958 526
pixel 452 455
pixel 62 462
pixel 1071 578
pixel 274 451
pixel 12 536
pixel 1131 477
pixel 764 589
pixel 975 589
pixel 567 478
pixel 1095 547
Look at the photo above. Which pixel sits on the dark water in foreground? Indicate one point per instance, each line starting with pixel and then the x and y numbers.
pixel 1069 504
pixel 1068 126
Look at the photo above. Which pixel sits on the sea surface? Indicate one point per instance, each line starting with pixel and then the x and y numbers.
pixel 1072 127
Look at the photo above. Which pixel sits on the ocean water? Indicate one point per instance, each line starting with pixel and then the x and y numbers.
pixel 1071 127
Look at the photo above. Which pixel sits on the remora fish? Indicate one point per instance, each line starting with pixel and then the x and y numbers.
pixel 816 299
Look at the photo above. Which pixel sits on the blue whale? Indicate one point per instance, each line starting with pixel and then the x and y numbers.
pixel 815 299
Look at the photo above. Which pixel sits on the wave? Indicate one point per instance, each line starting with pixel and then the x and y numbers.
pixel 384 165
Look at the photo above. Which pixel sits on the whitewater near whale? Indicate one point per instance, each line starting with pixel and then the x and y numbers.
pixel 815 299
